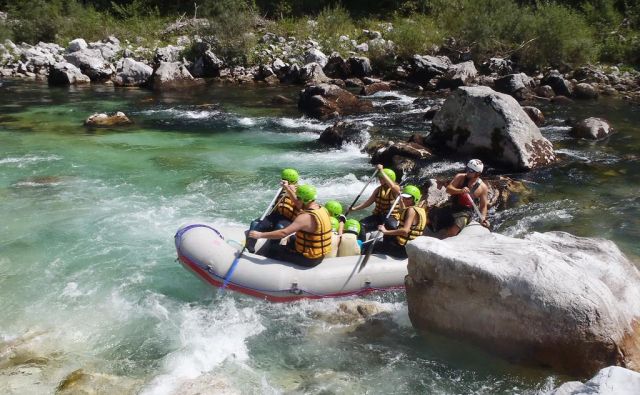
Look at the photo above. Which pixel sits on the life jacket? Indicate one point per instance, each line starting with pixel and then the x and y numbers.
pixel 349 245
pixel 287 208
pixel 464 200
pixel 315 244
pixel 415 230
pixel 384 201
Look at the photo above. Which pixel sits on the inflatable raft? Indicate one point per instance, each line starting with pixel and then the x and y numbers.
pixel 209 251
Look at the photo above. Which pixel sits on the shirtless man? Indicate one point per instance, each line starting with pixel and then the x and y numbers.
pixel 467 189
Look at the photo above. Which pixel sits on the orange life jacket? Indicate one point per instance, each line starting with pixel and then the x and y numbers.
pixel 415 230
pixel 315 244
pixel 384 201
pixel 287 208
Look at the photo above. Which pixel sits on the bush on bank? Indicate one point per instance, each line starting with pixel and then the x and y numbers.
pixel 535 32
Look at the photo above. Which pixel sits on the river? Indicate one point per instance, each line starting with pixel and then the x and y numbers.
pixel 88 278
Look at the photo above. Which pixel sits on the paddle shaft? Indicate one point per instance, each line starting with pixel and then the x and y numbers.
pixel 475 208
pixel 375 238
pixel 234 264
pixel 373 176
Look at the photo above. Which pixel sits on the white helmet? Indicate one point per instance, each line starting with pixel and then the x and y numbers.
pixel 475 165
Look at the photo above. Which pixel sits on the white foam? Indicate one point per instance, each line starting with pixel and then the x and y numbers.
pixel 207 337
pixel 302 123
pixel 184 114
pixel 22 161
pixel 246 121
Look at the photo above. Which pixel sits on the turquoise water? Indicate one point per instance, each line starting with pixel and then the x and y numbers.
pixel 88 278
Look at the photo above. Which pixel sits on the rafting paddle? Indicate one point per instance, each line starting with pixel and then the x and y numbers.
pixel 375 238
pixel 373 176
pixel 476 210
pixel 232 268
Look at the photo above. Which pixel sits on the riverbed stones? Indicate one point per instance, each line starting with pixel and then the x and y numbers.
pixel 359 66
pixel 375 87
pixel 551 299
pixel 78 44
pixel 477 121
pixel 591 129
pixel 64 73
pixel 402 157
pixel 91 63
pixel 612 380
pixel 326 101
pixel 312 74
pixel 560 85
pixel 314 55
pixel 516 85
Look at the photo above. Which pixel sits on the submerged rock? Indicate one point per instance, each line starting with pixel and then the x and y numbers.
pixel 344 132
pixel 478 121
pixel 552 299
pixel 117 119
pixel 325 101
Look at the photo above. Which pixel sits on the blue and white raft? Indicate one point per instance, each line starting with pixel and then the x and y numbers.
pixel 209 251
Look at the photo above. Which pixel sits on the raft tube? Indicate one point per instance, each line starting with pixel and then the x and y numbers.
pixel 209 251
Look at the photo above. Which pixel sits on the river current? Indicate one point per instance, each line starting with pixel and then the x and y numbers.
pixel 91 295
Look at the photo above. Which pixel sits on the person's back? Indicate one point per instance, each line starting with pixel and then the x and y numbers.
pixel 349 244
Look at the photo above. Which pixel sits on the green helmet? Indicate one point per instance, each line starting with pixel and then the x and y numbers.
pixel 290 175
pixel 413 191
pixel 333 207
pixel 352 225
pixel 334 224
pixel 306 193
pixel 390 173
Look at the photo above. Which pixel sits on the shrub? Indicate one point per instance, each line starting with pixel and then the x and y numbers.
pixel 333 22
pixel 416 35
pixel 561 36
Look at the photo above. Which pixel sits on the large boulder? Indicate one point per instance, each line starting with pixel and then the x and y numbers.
pixel 359 66
pixel 591 129
pixel 477 121
pixel 64 73
pixel 558 83
pixel 132 73
pixel 337 67
pixel 612 380
pixel 326 100
pixel 170 75
pixel 314 55
pixel 586 91
pixel 312 74
pixel 551 299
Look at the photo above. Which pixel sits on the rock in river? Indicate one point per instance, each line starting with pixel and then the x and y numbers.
pixel 551 299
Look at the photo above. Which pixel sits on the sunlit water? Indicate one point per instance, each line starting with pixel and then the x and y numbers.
pixel 88 278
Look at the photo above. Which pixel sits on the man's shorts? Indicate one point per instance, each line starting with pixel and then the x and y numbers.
pixel 462 219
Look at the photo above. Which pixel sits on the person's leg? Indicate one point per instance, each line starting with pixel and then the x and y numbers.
pixel 284 253
pixel 370 223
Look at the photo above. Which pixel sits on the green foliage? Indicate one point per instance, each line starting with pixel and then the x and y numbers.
pixel 331 23
pixel 416 35
pixel 232 34
pixel 560 35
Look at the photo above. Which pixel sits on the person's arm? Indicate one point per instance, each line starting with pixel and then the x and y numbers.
pixel 301 222
pixel 385 180
pixel 452 188
pixel 406 228
pixel 290 190
pixel 369 201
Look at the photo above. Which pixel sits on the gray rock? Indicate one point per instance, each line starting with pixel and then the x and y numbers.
pixel 64 73
pixel 359 66
pixel 168 54
pixel 478 121
pixel 591 129
pixel 337 67
pixel 545 91
pixel 423 68
pixel 108 50
pixel 498 66
pixel 584 90
pixel 458 75
pixel 558 83
pixel 77 45
pixel 553 299
pixel 91 63
pixel 312 74
pixel 344 132
pixel 326 101
pixel 314 55
pixel 132 73
pixel 513 84
pixel 612 380
pixel 364 47
pixel 170 75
